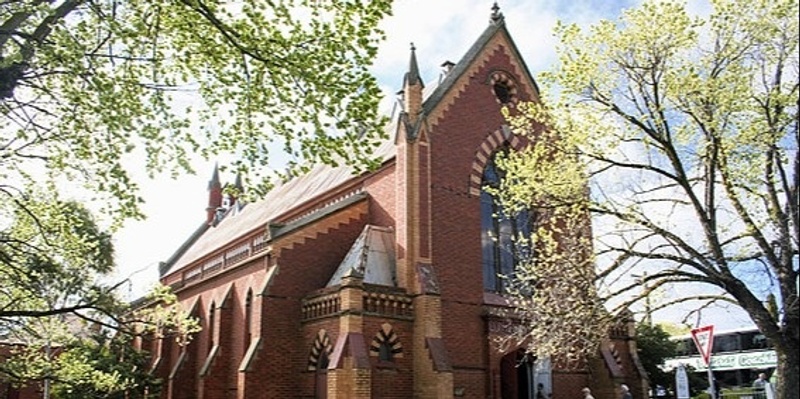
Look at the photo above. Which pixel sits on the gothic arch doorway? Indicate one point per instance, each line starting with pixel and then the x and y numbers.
pixel 517 375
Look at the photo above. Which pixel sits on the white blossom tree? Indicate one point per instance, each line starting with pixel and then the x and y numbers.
pixel 685 131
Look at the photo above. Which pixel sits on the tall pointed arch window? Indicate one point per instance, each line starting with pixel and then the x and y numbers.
pixel 248 319
pixel 499 232
pixel 211 323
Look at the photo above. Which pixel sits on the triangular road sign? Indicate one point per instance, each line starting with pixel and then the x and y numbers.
pixel 704 339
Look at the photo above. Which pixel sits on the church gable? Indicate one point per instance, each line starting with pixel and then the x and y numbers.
pixel 493 61
pixel 463 113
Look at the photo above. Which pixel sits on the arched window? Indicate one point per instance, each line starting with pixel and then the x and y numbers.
pixel 502 92
pixel 499 229
pixel 321 350
pixel 386 344
pixel 211 321
pixel 248 319
pixel 385 352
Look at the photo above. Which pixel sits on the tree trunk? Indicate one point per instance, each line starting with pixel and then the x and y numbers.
pixel 788 385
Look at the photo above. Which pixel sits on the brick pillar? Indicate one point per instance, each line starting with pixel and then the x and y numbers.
pixel 350 371
pixel 433 374
pixel 351 299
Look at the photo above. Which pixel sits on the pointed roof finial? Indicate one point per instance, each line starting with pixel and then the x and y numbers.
pixel 238 183
pixel 412 76
pixel 497 16
pixel 214 182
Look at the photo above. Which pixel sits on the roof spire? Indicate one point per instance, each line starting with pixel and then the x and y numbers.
pixel 214 196
pixel 497 16
pixel 236 193
pixel 214 182
pixel 412 76
pixel 412 89
pixel 238 183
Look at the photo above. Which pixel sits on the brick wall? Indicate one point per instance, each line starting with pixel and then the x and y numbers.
pixel 278 369
pixel 457 256
pixel 391 380
pixel 302 269
pixel 382 191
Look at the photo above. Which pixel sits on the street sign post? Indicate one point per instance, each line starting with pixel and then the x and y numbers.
pixel 703 337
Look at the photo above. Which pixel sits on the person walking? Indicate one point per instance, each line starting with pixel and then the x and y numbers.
pixel 626 392
pixel 587 393
pixel 540 391
pixel 759 386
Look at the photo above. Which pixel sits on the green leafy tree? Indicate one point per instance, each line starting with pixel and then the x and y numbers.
pixel 91 91
pixel 50 260
pixel 87 85
pixel 103 366
pixel 685 131
pixel 74 329
pixel 96 366
pixel 654 347
pixel 674 329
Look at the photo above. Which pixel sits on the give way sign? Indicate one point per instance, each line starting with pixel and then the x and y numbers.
pixel 704 339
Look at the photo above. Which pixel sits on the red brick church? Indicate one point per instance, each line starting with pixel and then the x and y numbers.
pixel 378 285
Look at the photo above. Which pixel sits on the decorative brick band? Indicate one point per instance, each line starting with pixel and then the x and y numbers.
pixel 490 144
pixel 388 305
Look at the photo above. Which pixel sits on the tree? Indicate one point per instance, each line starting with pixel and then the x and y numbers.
pixel 88 86
pixel 89 361
pixel 75 331
pixel 96 366
pixel 114 368
pixel 685 131
pixel 92 92
pixel 654 347
pixel 83 364
pixel 50 260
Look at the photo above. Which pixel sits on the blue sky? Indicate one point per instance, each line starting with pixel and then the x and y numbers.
pixel 440 30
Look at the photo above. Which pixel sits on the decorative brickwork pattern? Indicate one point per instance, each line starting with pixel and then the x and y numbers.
pixel 483 154
pixel 320 352
pixel 504 87
pixel 387 341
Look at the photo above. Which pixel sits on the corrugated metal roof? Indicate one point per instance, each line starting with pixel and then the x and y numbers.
pixel 281 199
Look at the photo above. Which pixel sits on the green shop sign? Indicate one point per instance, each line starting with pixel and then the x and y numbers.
pixel 729 361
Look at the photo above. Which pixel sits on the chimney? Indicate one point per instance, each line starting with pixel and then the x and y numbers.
pixel 447 66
